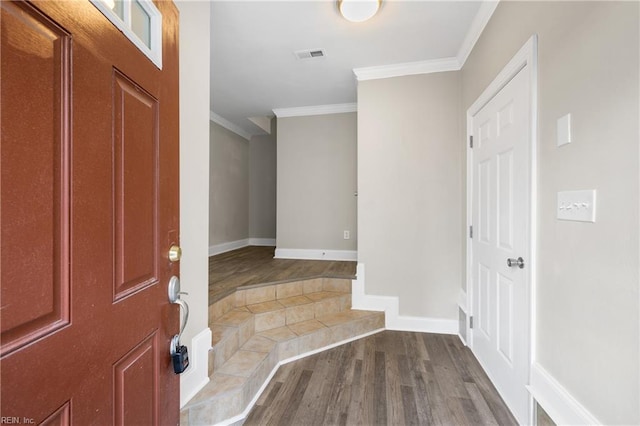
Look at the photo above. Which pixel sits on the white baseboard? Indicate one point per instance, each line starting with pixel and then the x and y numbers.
pixel 390 306
pixel 225 247
pixel 197 375
pixel 316 254
pixel 559 404
pixel 269 242
pixel 234 245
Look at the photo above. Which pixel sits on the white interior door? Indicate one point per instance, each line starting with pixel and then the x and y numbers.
pixel 501 228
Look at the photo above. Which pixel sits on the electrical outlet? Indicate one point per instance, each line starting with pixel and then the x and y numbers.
pixel 347 235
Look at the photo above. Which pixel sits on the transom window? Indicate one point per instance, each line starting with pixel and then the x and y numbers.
pixel 140 21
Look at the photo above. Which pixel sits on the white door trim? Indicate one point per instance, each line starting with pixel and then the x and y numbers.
pixel 526 60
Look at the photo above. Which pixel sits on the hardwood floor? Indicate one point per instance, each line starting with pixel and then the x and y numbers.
pixel 251 266
pixel 390 378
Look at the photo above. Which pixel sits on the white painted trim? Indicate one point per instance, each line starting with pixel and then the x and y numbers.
pixel 397 322
pixel 262 242
pixel 559 404
pixel 462 301
pixel 462 305
pixel 197 375
pixel 229 125
pixel 263 122
pixel 225 247
pixel 153 52
pixel 478 24
pixel 316 254
pixel 315 110
pixel 234 245
pixel 526 57
pixel 407 68
pixel 247 410
pixel 454 63
pixel 390 306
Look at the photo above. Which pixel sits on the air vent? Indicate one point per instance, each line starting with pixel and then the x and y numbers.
pixel 310 53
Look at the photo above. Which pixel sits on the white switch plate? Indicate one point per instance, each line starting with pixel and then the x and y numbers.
pixel 564 130
pixel 577 205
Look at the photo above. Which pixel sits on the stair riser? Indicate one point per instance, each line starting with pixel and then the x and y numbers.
pixel 223 407
pixel 275 292
pixel 222 351
pixel 221 307
pixel 295 314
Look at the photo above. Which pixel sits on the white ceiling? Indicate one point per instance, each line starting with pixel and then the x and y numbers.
pixel 254 69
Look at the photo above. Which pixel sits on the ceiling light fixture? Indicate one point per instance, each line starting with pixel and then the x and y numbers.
pixel 358 10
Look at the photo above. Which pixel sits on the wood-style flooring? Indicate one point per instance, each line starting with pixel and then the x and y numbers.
pixel 390 378
pixel 252 266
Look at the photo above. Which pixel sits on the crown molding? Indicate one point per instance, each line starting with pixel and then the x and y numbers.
pixel 229 125
pixel 315 110
pixel 475 30
pixel 487 7
pixel 407 68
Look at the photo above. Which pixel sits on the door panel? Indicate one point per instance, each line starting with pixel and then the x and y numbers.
pixel 61 417
pixel 135 385
pixel 34 160
pixel 484 300
pixel 500 211
pixel 89 209
pixel 136 173
pixel 505 200
pixel 505 318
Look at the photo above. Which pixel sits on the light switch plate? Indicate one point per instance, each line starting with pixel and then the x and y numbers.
pixel 577 205
pixel 564 130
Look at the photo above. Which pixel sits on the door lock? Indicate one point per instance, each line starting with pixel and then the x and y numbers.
pixel 175 253
pixel 519 262
pixel 179 355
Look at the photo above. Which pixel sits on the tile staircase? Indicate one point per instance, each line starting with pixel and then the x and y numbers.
pixel 255 329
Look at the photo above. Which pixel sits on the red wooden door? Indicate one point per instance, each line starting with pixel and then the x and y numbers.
pixel 89 209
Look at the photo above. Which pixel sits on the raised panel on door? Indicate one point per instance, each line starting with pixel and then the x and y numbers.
pixel 484 300
pixel 504 323
pixel 135 190
pixel 136 386
pixel 484 201
pixel 505 209
pixel 34 176
pixel 60 417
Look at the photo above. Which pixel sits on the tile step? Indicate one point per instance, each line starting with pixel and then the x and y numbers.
pixel 233 329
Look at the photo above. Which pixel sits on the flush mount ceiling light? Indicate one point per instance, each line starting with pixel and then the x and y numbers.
pixel 358 10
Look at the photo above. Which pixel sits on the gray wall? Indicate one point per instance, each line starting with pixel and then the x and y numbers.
pixel 316 182
pixel 229 186
pixel 262 186
pixel 409 184
pixel 588 281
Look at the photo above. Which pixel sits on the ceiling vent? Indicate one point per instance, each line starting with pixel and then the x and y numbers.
pixel 310 53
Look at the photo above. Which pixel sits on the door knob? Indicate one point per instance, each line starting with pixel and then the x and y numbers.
pixel 175 253
pixel 519 262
